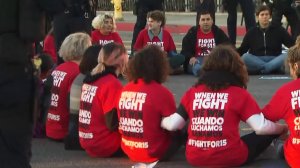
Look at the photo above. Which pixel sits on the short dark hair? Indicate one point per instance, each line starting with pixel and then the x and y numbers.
pixel 150 63
pixel 157 15
pixel 89 59
pixel 262 8
pixel 205 12
pixel 224 58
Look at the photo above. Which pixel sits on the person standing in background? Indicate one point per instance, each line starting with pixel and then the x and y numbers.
pixel 142 9
pixel 21 25
pixel 76 17
pixel 248 10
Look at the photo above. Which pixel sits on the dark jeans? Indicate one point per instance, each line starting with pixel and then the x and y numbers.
pixel 291 16
pixel 247 7
pixel 16 116
pixel 71 141
pixel 141 19
pixel 65 24
pixel 207 5
pixel 257 144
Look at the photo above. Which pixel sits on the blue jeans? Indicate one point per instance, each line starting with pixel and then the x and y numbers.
pixel 194 69
pixel 264 64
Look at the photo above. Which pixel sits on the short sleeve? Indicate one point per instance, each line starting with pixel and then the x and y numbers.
pixel 168 104
pixel 248 107
pixel 109 95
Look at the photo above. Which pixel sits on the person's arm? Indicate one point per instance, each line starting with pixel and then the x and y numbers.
pixel 175 121
pixel 262 126
pixel 288 41
pixel 244 46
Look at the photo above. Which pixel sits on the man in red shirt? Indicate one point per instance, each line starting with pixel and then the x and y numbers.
pixel 199 41
pixel 156 34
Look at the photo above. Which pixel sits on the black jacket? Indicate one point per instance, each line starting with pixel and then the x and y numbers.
pixel 190 39
pixel 268 42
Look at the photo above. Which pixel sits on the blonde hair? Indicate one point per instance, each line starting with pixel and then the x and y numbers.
pixel 294 55
pixel 98 21
pixel 111 54
pixel 74 46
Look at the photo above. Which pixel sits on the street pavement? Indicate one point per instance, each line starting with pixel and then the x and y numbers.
pixel 50 154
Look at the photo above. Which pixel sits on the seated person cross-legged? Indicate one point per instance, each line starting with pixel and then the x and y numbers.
pixel 199 41
pixel 215 105
pixel 261 48
pixel 156 34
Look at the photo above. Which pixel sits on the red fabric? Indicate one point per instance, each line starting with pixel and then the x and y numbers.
pixel 98 98
pixel 58 114
pixel 214 138
pixel 285 104
pixel 167 44
pixel 205 43
pixel 49 47
pixel 141 108
pixel 99 38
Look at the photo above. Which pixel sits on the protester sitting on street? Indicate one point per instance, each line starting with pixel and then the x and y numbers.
pixel 140 108
pixel 248 10
pixel 285 104
pixel 98 121
pixel 214 106
pixel 263 45
pixel 87 64
pixel 199 41
pixel 72 50
pixel 156 34
pixel 105 30
pixel 142 8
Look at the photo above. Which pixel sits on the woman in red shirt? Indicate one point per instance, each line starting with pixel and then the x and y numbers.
pixel 285 104
pixel 98 123
pixel 105 30
pixel 71 50
pixel 142 104
pixel 215 105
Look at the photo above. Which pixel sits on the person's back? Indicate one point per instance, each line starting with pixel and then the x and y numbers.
pixel 214 107
pixel 285 104
pixel 98 133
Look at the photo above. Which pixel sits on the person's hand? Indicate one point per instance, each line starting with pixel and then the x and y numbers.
pixel 285 133
pixel 192 61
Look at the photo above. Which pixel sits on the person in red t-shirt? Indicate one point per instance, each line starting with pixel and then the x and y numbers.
pixel 105 30
pixel 72 50
pixel 156 34
pixel 142 104
pixel 285 104
pixel 215 106
pixel 98 122
pixel 199 41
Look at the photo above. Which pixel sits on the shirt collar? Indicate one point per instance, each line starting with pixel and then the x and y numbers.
pixel 160 35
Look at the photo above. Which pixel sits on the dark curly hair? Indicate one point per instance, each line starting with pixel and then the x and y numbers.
pixel 223 60
pixel 150 64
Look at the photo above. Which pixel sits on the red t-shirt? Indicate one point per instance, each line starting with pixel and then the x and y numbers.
pixel 285 104
pixel 205 43
pixel 97 99
pixel 213 130
pixel 140 111
pixel 101 39
pixel 166 43
pixel 49 47
pixel 58 115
